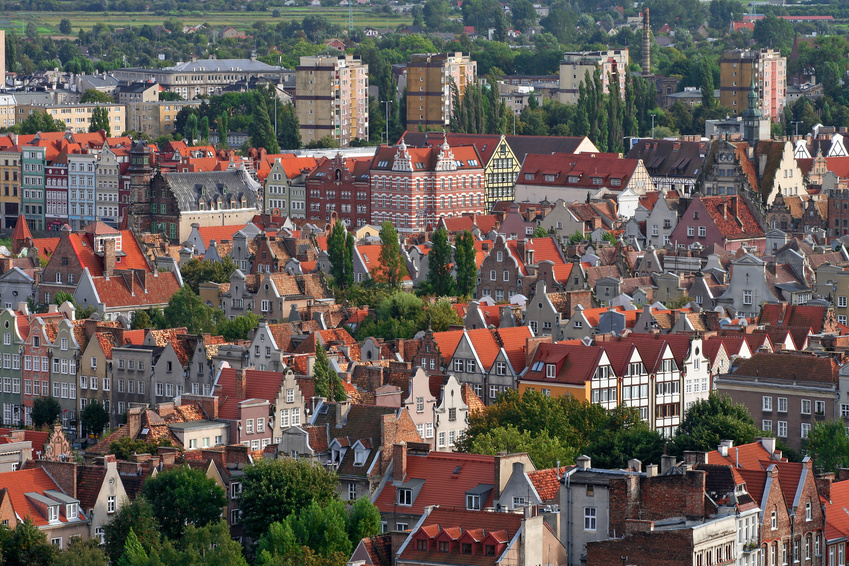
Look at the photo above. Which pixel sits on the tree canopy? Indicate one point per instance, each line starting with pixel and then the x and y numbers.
pixel 183 496
pixel 709 421
pixel 45 411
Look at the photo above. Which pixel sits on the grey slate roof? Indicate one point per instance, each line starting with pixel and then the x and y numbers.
pixel 206 65
pixel 662 159
pixel 188 188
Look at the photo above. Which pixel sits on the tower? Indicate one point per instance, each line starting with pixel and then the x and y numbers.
pixel 646 44
pixel 752 115
pixel 140 173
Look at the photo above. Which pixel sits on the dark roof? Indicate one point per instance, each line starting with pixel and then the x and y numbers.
pixel 793 366
pixel 188 188
pixel 670 158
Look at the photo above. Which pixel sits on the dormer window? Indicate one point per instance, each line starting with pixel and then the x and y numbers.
pixel 71 511
pixel 405 496
pixel 53 513
pixel 473 502
pixel 360 455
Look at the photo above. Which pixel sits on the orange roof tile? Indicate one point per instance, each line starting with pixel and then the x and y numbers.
pixel 32 480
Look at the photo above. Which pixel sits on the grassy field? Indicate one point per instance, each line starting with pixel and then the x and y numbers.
pixel 48 22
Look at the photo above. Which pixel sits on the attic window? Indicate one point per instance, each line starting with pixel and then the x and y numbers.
pixel 419 165
pixel 456 470
pixel 537 366
pixel 529 176
pixel 473 162
pixel 383 164
pixel 574 179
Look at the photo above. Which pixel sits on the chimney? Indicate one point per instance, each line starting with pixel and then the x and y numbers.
pixel 635 465
pixel 240 383
pixel 667 462
pixel 399 461
pixel 108 257
pixel 342 409
pixel 724 447
pixel 584 462
pixel 521 246
pixel 768 444
pixel 52 308
pixel 23 308
pixel 637 525
pixel 134 421
pixel 651 471
pixel 167 454
pixel 824 482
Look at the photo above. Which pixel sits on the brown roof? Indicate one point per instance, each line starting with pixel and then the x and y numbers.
pixel 793 366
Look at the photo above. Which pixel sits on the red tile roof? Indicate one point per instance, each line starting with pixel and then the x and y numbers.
pixel 547 482
pixel 746 456
pixel 782 314
pixel 578 170
pixel 115 291
pixel 32 480
pixel 427 157
pixel 485 345
pixel 22 231
pixel 514 341
pixel 574 363
pixel 789 366
pixel 732 217
pixel 218 233
pixel 442 486
pixel 543 248
pixel 789 474
pixel 836 517
pixel 258 385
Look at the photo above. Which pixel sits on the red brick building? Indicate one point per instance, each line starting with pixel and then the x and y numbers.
pixel 342 186
pixel 414 187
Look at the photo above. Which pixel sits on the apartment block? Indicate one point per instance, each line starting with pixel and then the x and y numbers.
pixel 331 98
pixel 77 117
pixel 429 78
pixel 155 118
pixel 575 65
pixel 10 197
pixel 770 78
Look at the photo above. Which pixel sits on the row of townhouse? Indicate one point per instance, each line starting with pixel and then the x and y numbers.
pixel 743 505
pixel 661 376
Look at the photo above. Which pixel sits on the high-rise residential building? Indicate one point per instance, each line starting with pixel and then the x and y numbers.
pixel 78 116
pixel 331 98
pixel 770 78
pixel 429 78
pixel 575 65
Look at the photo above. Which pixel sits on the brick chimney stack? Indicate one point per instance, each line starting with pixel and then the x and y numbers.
pixel 108 257
pixel 399 461
pixel 241 385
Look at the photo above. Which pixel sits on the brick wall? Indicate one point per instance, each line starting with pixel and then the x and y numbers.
pixel 651 499
pixel 63 473
pixel 643 549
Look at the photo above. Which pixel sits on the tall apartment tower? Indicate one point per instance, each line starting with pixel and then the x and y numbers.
pixel 768 69
pixel 331 98
pixel 429 79
pixel 574 66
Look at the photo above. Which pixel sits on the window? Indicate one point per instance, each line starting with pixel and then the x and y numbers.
pixel 766 425
pixel 767 403
pixel 405 496
pixel 110 504
pixel 841 302
pixel 819 407
pixel 589 519
pixel 806 428
pixel 441 443
pixel 773 521
pixel 420 404
pixel 782 404
pixel 473 502
pixel 747 297
pixel 702 231
pixel 57 542
pixel 518 501
pixel 782 429
pixel 290 395
pixel 808 511
pixel 235 490
pixel 249 426
pixel 352 491
pixel 452 414
pixel 806 406
pixel 691 231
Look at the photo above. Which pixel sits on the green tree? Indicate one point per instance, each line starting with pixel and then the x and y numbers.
pixel 706 72
pixel 183 496
pixel 262 134
pixel 274 489
pixel 774 32
pixel 613 449
pixel 94 418
pixel 190 130
pixel 288 128
pixel 26 545
pixel 82 553
pixel 392 268
pixel 92 95
pixel 723 12
pixel 442 315
pixel 41 122
pixel 322 527
pixel 134 553
pixel 99 120
pixel 341 261
pixel 328 384
pixel 203 129
pixel 185 308
pixel 279 547
pixel 465 260
pixel 65 26
pixel 198 271
pixel 828 446
pixel 62 296
pixel 136 517
pixel 211 545
pixel 435 13
pixel 45 411
pixel 222 126
pixel 238 328
pixel 363 520
pixel 141 320
pixel 169 96
pixel 540 232
pixel 400 315
pixel 709 421
pixel 124 448
pixel 326 142
pixel 543 450
pixel 439 264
